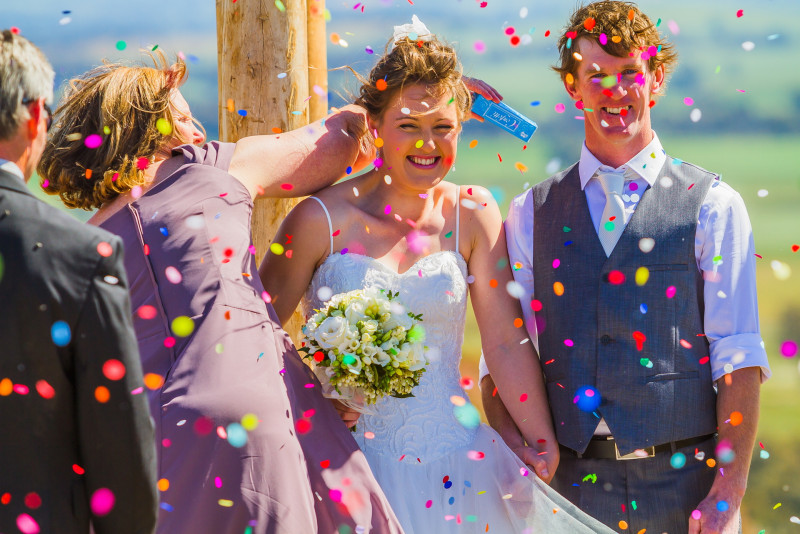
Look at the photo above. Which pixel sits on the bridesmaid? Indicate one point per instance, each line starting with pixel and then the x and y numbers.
pixel 246 442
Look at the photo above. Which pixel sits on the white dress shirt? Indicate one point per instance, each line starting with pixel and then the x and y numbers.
pixel 10 166
pixel 731 306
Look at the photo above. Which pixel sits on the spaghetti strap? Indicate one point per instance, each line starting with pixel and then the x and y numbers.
pixel 330 224
pixel 458 212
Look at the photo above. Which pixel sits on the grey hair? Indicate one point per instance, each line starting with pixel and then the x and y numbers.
pixel 25 74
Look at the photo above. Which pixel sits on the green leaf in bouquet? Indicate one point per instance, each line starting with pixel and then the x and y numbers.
pixel 402 395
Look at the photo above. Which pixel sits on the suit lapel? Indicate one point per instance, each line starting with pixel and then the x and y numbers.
pixel 13 183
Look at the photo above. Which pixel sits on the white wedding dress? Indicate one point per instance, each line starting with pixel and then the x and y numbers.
pixel 441 470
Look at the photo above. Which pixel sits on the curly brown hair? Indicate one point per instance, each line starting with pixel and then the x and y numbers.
pixel 625 28
pixel 432 63
pixel 123 106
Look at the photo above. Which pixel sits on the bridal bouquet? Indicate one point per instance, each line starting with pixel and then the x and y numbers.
pixel 365 345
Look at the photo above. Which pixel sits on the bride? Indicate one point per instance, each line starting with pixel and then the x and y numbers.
pixel 402 228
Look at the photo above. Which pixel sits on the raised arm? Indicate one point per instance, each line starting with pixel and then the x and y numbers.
pixel 507 348
pixel 304 160
pixel 305 232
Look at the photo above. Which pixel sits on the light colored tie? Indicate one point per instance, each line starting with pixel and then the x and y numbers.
pixel 613 221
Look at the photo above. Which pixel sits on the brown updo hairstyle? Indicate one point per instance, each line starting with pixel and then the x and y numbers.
pixel 122 105
pixel 432 63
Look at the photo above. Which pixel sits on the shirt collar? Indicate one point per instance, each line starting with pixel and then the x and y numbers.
pixel 646 164
pixel 10 166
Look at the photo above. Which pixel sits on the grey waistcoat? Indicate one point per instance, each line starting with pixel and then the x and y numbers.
pixel 651 396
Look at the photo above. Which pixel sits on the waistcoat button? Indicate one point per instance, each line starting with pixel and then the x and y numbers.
pixel 606 339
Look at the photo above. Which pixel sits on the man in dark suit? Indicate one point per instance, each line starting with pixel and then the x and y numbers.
pixel 76 439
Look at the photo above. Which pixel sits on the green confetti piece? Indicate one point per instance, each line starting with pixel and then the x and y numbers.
pixel 280 6
pixel 121 45
pixel 449 234
pixel 154 48
pixel 567 229
pixel 633 503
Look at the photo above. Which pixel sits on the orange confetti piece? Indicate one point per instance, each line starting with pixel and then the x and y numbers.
pixel 88 174
pixel 623 525
pixel 230 105
pixel 163 484
pixel 153 381
pixel 736 418
pixel 558 288
pixel 711 462
pixel 102 394
pixel 493 282
pixel 381 85
pixel 276 130
pixel 521 167
pixel 518 322
pixel 473 143
pixel 631 14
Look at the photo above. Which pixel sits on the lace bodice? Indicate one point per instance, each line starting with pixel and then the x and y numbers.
pixel 421 428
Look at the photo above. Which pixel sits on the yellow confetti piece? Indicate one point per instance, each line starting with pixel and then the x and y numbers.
pixel 378 142
pixel 276 248
pixel 182 326
pixel 481 492
pixel 520 167
pixel 163 126
pixel 776 506
pixel 250 422
pixel 558 288
pixel 642 276
pixel 230 106
pixel 569 78
pixel 282 9
pixel 225 502
pixel 419 143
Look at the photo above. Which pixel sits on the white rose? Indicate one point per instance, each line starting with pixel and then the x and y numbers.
pixel 355 312
pixel 331 333
pixel 369 351
pixel 402 353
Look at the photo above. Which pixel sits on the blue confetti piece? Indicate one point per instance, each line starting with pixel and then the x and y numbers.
pixel 164 231
pixel 448 484
pixel 237 435
pixel 568 243
pixel 166 506
pixel 535 103
pixel 348 170
pixel 451 500
pixel 643 308
pixel 587 398
pixel 242 112
pixel 60 333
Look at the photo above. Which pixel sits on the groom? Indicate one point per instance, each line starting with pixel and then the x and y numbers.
pixel 641 288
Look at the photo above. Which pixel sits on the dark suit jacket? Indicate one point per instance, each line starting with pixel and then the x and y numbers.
pixel 70 425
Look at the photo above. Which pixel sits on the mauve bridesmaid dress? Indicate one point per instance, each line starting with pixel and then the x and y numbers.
pixel 246 442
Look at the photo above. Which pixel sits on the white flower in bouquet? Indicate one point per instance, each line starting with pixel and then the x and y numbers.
pixel 331 332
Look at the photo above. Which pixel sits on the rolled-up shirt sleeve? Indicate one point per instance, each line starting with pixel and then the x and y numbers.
pixel 725 252
pixel 519 239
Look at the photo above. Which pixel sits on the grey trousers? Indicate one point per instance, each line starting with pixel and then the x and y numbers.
pixel 645 493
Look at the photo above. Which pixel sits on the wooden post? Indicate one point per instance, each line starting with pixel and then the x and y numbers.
pixel 317 60
pixel 256 42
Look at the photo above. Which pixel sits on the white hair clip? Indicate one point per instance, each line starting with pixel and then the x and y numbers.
pixel 416 31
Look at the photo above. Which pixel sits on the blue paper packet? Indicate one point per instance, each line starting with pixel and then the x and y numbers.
pixel 505 117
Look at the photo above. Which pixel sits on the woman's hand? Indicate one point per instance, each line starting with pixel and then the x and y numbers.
pixel 349 416
pixel 482 88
